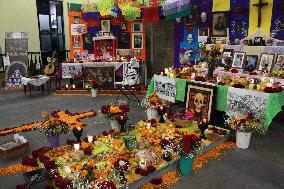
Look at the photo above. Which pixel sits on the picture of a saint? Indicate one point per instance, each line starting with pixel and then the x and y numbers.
pixel 105 25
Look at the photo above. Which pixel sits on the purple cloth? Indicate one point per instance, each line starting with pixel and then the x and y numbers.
pixel 277 17
pixel 116 30
pixel 178 36
pixel 205 6
pixel 94 15
pixel 239 19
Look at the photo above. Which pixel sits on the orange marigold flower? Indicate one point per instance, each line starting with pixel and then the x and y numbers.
pixel 43 114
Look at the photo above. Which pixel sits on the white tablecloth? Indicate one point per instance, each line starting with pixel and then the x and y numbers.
pixel 35 81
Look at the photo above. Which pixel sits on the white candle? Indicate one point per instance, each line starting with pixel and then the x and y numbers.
pixel 77 147
pixel 252 81
pixel 219 79
pixel 148 125
pixel 258 87
pixel 269 85
pixel 143 164
pixel 73 86
pixel 166 71
pixel 90 139
pixel 162 73
pixel 193 76
pixel 251 86
pixel 66 86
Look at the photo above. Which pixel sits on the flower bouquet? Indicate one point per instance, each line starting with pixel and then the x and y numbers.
pixel 150 104
pixel 52 128
pixel 244 125
pixel 190 146
pixel 121 119
pixel 112 111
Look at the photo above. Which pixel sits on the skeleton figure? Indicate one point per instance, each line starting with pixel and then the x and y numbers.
pixel 198 102
pixel 189 38
pixel 203 17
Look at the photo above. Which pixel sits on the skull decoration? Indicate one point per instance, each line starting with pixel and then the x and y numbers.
pixel 190 38
pixel 203 17
pixel 198 102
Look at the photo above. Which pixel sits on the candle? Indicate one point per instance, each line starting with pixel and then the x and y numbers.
pixel 219 79
pixel 66 86
pixel 148 125
pixel 143 164
pixel 258 87
pixel 269 85
pixel 193 76
pixel 166 71
pixel 77 147
pixel 73 86
pixel 252 81
pixel 271 81
pixel 90 139
pixel 162 73
pixel 251 86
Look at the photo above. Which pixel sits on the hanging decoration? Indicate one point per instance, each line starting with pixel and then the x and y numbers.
pixel 105 7
pixel 277 20
pixel 73 7
pixel 239 19
pixel 131 13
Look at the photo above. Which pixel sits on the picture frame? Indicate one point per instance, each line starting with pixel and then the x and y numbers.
pixel 124 40
pixel 252 61
pixel 200 99
pixel 104 75
pixel 105 25
pixel 137 41
pixel 204 32
pixel 266 62
pixel 137 27
pixel 123 26
pixel 238 60
pixel 192 18
pixel 76 20
pixel 101 33
pixel 279 64
pixel 220 24
pixel 258 41
pixel 106 34
pixel 227 53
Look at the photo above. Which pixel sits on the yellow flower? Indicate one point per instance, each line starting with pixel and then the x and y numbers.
pixel 43 114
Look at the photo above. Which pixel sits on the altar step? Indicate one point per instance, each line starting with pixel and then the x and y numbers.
pixel 87 92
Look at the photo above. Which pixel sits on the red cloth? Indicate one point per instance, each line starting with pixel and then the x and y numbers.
pixel 151 14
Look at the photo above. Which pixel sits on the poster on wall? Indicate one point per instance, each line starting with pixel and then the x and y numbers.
pixel 104 76
pixel 189 46
pixel 165 88
pixel 242 101
pixel 77 29
pixel 124 40
pixel 71 70
pixel 16 44
pixel 13 75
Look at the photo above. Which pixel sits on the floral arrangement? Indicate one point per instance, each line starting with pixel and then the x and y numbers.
pixel 151 101
pixel 245 123
pixel 190 145
pixel 111 111
pixel 52 126
pixel 278 72
pixel 121 118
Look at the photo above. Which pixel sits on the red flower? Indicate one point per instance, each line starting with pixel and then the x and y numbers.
pixel 29 161
pixel 243 120
pixel 106 185
pixel 70 142
pixel 151 168
pixel 234 70
pixel 124 108
pixel 88 150
pixel 250 115
pixel 105 109
pixel 200 78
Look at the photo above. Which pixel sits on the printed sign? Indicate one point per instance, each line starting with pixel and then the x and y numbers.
pixel 165 87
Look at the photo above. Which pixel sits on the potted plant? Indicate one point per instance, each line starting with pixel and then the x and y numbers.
pixel 244 125
pixel 112 111
pixel 52 128
pixel 94 90
pixel 190 146
pixel 150 103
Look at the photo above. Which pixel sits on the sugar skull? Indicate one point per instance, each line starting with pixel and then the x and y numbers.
pixel 203 17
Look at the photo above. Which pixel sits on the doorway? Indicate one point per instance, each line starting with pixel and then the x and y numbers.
pixel 51 29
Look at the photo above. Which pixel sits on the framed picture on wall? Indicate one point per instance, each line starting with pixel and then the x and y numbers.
pixel 191 19
pixel 265 62
pixel 137 41
pixel 220 24
pixel 76 20
pixel 203 32
pixel 137 27
pixel 105 25
pixel 123 25
pixel 238 60
pixel 124 40
pixel 199 99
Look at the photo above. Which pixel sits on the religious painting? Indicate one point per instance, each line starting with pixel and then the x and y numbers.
pixel 191 19
pixel 279 62
pixel 76 20
pixel 199 99
pixel 137 41
pixel 252 61
pixel 105 76
pixel 137 27
pixel 105 25
pixel 265 62
pixel 124 40
pixel 220 24
pixel 239 59
pixel 203 32
pixel 123 25
pixel 14 73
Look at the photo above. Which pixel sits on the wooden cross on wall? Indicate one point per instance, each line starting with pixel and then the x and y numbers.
pixel 259 5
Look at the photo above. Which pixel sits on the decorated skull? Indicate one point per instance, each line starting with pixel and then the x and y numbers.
pixel 190 38
pixel 203 17
pixel 198 102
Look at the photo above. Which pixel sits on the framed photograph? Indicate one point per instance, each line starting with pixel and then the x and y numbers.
pixel 76 20
pixel 265 62
pixel 124 40
pixel 191 19
pixel 124 52
pixel 106 34
pixel 220 24
pixel 203 32
pixel 279 62
pixel 123 25
pixel 238 60
pixel 200 100
pixel 101 33
pixel 137 41
pixel 137 27
pixel 227 53
pixel 88 43
pixel 76 41
pixel 252 61
pixel 105 25
pixel 258 41
pixel 105 76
